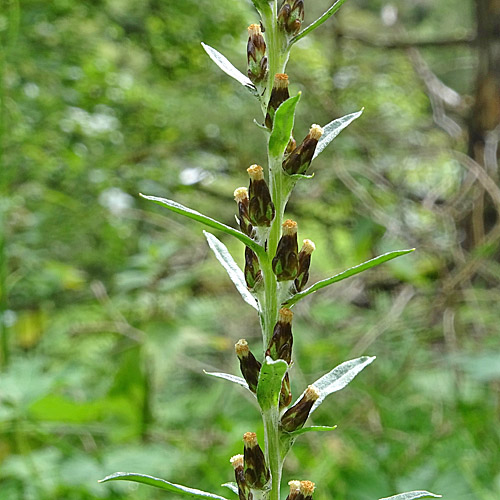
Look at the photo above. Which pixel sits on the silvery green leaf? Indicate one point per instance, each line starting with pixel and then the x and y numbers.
pixel 269 386
pixel 333 129
pixel 229 69
pixel 231 378
pixel 347 274
pixel 208 221
pixel 160 483
pixel 412 495
pixel 338 378
pixel 313 428
pixel 283 126
pixel 234 272
pixel 232 486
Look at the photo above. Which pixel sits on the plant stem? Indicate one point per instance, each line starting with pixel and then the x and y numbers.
pixel 273 452
pixel 277 58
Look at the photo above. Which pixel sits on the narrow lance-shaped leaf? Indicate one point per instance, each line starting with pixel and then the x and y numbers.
pixel 208 221
pixel 283 126
pixel 162 484
pixel 329 13
pixel 229 69
pixel 333 129
pixel 338 378
pixel 270 378
pixel 231 378
pixel 234 272
pixel 313 428
pixel 412 495
pixel 347 274
pixel 232 486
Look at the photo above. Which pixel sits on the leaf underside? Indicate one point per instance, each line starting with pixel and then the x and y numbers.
pixel 232 486
pixel 223 63
pixel 333 129
pixel 231 378
pixel 234 272
pixel 162 484
pixel 338 378
pixel 412 495
pixel 347 274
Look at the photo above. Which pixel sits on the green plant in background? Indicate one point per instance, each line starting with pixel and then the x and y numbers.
pixel 276 272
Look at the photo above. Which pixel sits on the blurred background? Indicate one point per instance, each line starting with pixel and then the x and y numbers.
pixel 111 307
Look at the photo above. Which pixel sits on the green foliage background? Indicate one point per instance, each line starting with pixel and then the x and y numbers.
pixel 114 307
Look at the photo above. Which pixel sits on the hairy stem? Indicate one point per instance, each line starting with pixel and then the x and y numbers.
pixel 273 452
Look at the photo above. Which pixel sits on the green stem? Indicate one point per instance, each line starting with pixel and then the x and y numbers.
pixel 277 53
pixel 273 452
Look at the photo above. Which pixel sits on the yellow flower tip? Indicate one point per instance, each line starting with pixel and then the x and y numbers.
pixel 285 315
pixel 316 132
pixel 280 80
pixel 240 194
pixel 250 439
pixel 254 29
pixel 289 228
pixel 241 348
pixel 312 393
pixel 237 461
pixel 307 488
pixel 255 172
pixel 308 247
pixel 294 486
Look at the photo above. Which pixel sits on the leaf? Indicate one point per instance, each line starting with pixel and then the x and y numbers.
pixel 232 486
pixel 283 126
pixel 231 378
pixel 338 378
pixel 347 274
pixel 333 129
pixel 229 69
pixel 313 428
pixel 334 8
pixel 269 386
pixel 412 495
pixel 160 483
pixel 193 214
pixel 235 273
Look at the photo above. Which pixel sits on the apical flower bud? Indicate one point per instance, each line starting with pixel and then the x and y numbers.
pixel 241 198
pixel 307 249
pixel 285 263
pixel 295 493
pixel 298 161
pixel 261 209
pixel 279 94
pixel 296 416
pixel 291 16
pixel 257 474
pixel 250 367
pixel 244 491
pixel 256 54
pixel 307 489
